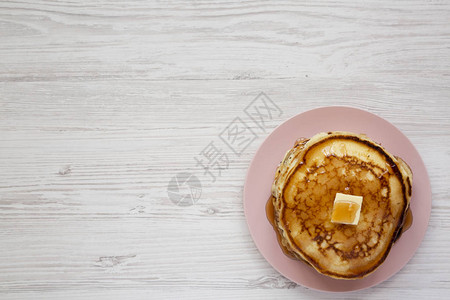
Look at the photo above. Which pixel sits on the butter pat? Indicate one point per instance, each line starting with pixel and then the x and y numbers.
pixel 346 209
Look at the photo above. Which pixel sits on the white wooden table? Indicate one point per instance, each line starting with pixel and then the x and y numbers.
pixel 102 103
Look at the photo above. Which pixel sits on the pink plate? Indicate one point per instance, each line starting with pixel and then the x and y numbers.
pixel 262 170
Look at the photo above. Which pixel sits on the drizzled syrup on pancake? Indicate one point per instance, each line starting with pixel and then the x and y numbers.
pixel 270 214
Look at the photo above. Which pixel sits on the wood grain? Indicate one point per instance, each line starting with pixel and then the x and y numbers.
pixel 101 103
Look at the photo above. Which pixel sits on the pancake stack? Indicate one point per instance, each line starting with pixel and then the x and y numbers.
pixel 303 193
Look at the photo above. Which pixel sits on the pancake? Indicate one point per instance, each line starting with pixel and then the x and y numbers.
pixel 303 193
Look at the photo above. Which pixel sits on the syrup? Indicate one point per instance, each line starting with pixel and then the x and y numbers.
pixel 271 217
pixel 406 224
